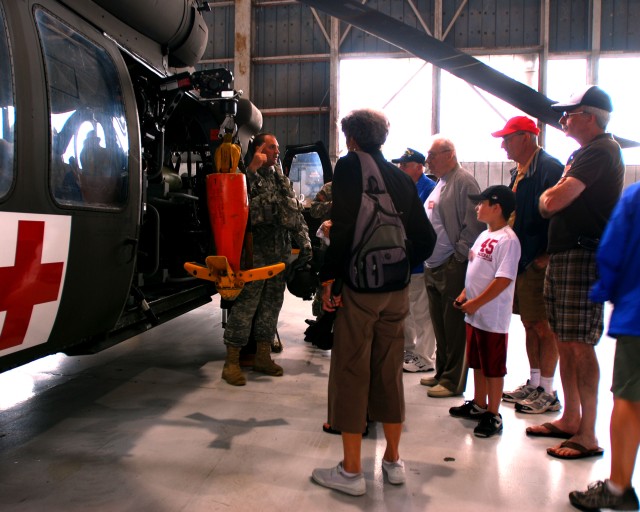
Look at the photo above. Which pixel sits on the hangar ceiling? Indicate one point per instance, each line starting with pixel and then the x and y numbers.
pixel 285 54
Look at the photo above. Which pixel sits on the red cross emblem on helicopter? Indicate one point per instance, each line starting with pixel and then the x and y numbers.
pixel 35 248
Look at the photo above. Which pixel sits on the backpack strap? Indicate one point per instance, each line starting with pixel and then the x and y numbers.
pixel 372 181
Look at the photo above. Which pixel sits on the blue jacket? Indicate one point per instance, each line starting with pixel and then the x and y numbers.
pixel 425 186
pixel 531 228
pixel 618 269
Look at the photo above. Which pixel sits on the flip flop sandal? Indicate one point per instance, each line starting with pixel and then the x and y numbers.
pixel 582 451
pixel 552 431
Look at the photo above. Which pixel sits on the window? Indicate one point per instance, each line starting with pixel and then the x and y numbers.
pixel 619 76
pixel 7 113
pixel 401 88
pixel 306 176
pixel 89 146
pixel 469 114
pixel 564 77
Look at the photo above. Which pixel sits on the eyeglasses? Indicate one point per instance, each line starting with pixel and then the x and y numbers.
pixel 432 154
pixel 569 114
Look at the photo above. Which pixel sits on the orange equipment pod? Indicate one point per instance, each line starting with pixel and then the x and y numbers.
pixel 228 212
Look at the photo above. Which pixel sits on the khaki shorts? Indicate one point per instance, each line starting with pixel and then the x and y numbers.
pixel 626 369
pixel 528 301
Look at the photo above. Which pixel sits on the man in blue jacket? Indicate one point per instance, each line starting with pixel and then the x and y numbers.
pixel 419 338
pixel 535 172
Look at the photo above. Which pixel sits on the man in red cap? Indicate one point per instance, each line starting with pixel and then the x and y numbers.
pixel 535 172
pixel 579 207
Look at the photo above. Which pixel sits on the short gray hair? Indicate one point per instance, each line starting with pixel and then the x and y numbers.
pixel 444 142
pixel 368 127
pixel 602 116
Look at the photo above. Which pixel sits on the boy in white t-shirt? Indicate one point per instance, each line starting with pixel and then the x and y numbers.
pixel 487 301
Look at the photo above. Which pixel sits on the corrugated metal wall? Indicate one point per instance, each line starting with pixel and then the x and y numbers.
pixel 494 173
pixel 290 70
pixel 221 22
pixel 494 24
pixel 620 27
pixel 279 83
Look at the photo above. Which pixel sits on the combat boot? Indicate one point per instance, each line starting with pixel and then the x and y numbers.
pixel 263 363
pixel 231 371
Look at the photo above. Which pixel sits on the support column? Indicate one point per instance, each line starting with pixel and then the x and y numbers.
pixel 242 47
pixel 334 98
pixel 596 27
pixel 436 74
pixel 543 59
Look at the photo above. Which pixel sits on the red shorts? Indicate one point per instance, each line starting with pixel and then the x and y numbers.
pixel 487 351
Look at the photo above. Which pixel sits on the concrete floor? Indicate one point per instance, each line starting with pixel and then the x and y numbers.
pixel 149 426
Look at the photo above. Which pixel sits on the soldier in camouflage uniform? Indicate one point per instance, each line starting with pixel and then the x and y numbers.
pixel 320 209
pixel 276 218
pixel 321 205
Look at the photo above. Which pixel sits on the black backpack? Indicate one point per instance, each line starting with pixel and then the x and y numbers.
pixel 379 251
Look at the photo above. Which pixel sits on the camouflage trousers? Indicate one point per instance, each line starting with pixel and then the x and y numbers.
pixel 262 300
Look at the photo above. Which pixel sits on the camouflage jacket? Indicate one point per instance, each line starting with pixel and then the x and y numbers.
pixel 276 217
pixel 321 205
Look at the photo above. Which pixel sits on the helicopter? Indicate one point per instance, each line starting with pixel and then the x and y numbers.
pixel 107 136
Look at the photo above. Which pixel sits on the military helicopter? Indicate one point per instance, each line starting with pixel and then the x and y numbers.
pixel 106 139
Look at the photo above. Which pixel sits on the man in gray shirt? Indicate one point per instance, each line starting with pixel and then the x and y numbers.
pixel 454 220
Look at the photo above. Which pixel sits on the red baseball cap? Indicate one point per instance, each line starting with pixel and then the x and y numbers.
pixel 517 124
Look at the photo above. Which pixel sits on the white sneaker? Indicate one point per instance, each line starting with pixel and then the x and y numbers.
pixel 334 478
pixel 519 394
pixel 416 363
pixel 538 402
pixel 394 471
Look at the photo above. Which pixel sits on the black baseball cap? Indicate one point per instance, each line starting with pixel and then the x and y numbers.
pixel 498 194
pixel 410 155
pixel 592 96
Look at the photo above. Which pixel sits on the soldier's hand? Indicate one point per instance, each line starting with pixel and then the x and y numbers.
pixel 259 158
pixel 326 227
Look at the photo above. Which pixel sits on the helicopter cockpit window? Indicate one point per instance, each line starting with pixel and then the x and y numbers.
pixel 306 176
pixel 7 113
pixel 90 144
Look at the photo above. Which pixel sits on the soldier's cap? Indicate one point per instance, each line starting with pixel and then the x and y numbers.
pixel 410 155
pixel 517 124
pixel 498 194
pixel 591 96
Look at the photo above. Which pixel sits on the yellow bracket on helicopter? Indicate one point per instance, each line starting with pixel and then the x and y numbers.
pixel 229 283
